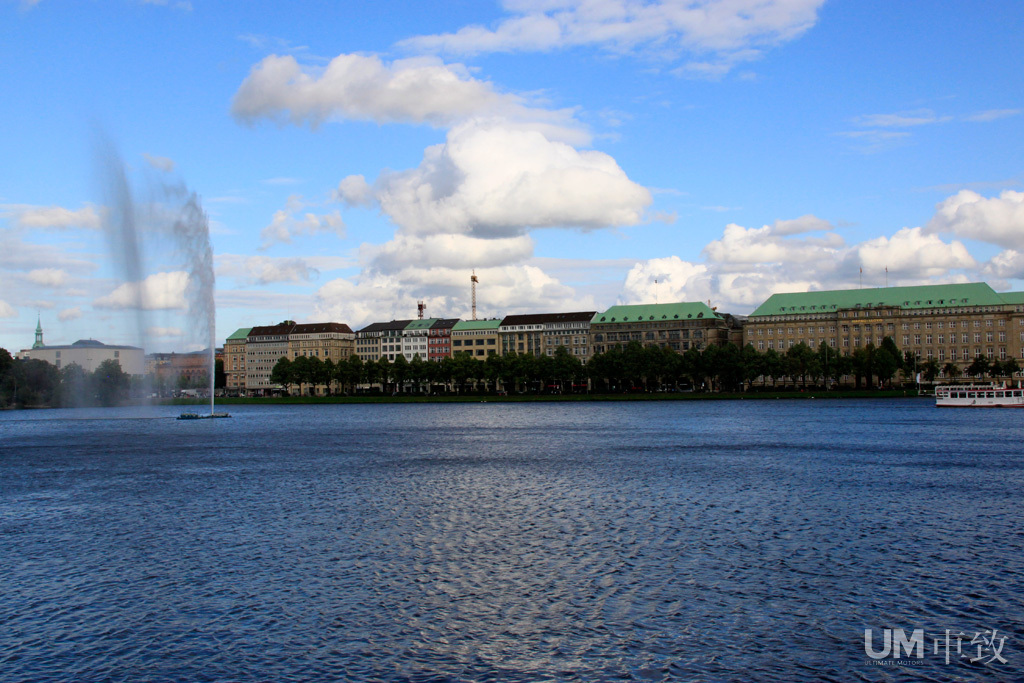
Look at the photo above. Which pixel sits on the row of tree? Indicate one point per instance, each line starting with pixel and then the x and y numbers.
pixel 633 367
pixel 34 382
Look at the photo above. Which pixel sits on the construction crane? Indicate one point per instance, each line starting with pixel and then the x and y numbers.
pixel 473 280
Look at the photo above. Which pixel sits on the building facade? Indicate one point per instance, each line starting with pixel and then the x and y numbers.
pixel 478 338
pixel 415 338
pixel 439 339
pixel 88 354
pixel 380 340
pixel 264 346
pixel 946 323
pixel 677 326
pixel 541 333
pixel 326 341
pixel 234 361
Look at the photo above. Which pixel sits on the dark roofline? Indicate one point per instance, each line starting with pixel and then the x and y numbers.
pixel 382 327
pixel 541 318
pixel 442 323
pixel 86 344
pixel 312 328
pixel 269 330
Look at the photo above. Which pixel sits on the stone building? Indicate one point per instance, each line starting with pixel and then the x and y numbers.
pixel 541 333
pixel 946 323
pixel 677 326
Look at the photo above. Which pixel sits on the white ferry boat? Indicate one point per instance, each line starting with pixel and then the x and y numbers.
pixel 979 396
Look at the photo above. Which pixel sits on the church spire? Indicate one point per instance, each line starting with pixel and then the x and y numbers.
pixel 39 333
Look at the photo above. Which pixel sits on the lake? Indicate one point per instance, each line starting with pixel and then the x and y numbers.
pixel 683 540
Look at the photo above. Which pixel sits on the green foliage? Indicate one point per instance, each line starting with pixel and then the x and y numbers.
pixel 111 383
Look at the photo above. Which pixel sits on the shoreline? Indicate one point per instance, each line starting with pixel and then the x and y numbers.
pixel 554 398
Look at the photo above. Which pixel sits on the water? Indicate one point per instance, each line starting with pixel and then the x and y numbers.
pixel 699 541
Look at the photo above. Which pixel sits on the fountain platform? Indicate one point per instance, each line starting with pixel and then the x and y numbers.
pixel 198 416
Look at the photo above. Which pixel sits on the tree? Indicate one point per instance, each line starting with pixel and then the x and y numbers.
pixel 1010 367
pixel 951 370
pixel 400 371
pixel 110 382
pixel 804 361
pixel 302 372
pixel 886 364
pixel 281 374
pixel 419 371
pixel 384 372
pixel 930 370
pixel 220 378
pixel 979 367
pixel 75 387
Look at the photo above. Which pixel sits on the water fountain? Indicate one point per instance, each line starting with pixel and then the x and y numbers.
pixel 189 228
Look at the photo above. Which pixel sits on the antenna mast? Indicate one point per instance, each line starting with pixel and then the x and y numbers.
pixel 420 307
pixel 473 280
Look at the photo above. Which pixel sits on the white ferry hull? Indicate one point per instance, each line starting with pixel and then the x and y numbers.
pixel 976 396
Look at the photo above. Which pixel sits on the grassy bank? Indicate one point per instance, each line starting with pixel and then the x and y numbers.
pixel 556 398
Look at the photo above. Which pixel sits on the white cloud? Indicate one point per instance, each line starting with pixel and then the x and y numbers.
pixel 160 291
pixel 993 115
pixel 446 251
pixel 1005 265
pixel 26 216
pixel 446 292
pixel 363 88
pixel 69 314
pixel 747 265
pixel 728 30
pixel 6 310
pixel 912 252
pixel 285 224
pixel 265 270
pixel 159 163
pixel 742 246
pixel 48 277
pixel 353 190
pixel 163 332
pixel 997 220
pixel 919 117
pixel 495 181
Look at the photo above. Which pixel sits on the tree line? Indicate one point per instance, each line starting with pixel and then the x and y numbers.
pixel 632 367
pixel 35 383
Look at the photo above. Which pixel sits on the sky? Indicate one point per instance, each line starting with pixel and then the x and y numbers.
pixel 354 158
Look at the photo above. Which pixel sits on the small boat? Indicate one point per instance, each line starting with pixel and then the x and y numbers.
pixel 992 395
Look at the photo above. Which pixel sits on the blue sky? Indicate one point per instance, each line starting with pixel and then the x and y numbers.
pixel 354 158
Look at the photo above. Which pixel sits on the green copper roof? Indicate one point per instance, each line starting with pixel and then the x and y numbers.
pixel 924 296
pixel 1013 297
pixel 684 310
pixel 240 333
pixel 423 324
pixel 476 325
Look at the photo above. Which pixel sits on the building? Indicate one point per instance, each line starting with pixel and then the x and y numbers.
pixel 234 361
pixel 946 323
pixel 264 346
pixel 87 354
pixel 415 336
pixel 379 340
pixel 326 341
pixel 439 339
pixel 677 326
pixel 541 333
pixel 479 338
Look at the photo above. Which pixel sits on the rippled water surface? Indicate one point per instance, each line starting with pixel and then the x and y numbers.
pixel 705 541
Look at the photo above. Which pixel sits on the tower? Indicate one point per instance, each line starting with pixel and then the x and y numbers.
pixel 473 280
pixel 39 334
pixel 420 308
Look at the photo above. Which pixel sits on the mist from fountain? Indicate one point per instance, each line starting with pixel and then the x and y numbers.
pixel 174 211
